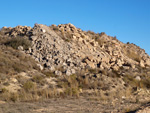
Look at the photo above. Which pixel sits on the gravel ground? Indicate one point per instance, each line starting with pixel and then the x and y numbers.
pixel 69 105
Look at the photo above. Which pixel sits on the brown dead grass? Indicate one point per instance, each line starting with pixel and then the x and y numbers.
pixel 131 54
pixel 12 61
pixel 18 41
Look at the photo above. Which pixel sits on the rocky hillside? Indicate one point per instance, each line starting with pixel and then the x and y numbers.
pixel 70 48
pixel 65 55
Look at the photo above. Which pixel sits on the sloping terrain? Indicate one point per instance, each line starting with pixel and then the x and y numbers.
pixel 63 61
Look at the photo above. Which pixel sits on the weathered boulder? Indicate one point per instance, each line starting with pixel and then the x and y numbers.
pixel 40 66
pixel 142 63
pixel 59 73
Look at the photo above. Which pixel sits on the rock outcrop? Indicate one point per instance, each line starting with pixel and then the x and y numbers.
pixel 66 49
pixel 67 61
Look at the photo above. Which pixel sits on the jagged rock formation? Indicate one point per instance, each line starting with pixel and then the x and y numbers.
pixel 67 49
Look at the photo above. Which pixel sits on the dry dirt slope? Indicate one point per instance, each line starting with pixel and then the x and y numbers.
pixel 63 61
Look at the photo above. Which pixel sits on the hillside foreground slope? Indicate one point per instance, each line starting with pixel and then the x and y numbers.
pixel 63 62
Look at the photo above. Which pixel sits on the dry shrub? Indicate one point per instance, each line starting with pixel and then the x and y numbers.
pixel 5 95
pixel 68 36
pixel 72 91
pixel 70 85
pixel 130 80
pixel 48 73
pixel 74 83
pixel 145 83
pixel 133 55
pixel 93 70
pixel 128 91
pixel 91 32
pixel 29 93
pixel 48 93
pixel 38 78
pixel 12 61
pixel 102 95
pixel 54 27
pixel 83 82
pixel 28 86
pixel 101 34
pixel 18 41
pixel 4 31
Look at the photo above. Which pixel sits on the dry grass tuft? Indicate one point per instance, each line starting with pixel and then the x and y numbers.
pixel 133 55
pixel 28 86
pixel 12 61
pixel 18 41
pixel 49 73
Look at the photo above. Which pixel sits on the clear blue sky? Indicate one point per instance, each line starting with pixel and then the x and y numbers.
pixel 129 20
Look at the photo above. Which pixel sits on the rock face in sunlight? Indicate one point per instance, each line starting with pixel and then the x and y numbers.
pixel 70 48
pixel 53 61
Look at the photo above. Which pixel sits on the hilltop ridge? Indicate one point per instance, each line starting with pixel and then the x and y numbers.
pixel 72 48
pixel 57 61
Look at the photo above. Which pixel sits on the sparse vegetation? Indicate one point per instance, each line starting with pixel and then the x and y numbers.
pixel 54 27
pixel 37 78
pixel 113 80
pixel 130 80
pixel 93 70
pixel 12 61
pixel 133 82
pixel 145 83
pixel 18 41
pixel 49 73
pixel 28 86
pixel 133 55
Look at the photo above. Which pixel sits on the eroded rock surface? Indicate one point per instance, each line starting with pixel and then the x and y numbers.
pixel 72 49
